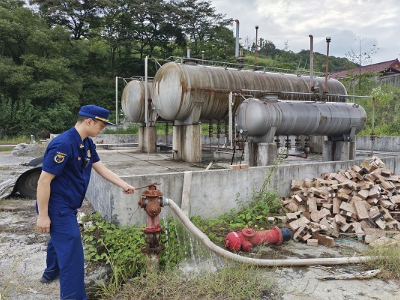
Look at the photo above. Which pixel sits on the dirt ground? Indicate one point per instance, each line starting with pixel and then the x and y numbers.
pixel 23 253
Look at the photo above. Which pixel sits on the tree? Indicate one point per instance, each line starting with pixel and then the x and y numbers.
pixel 199 21
pixel 79 16
pixel 267 48
pixel 153 24
pixel 35 69
pixel 361 57
pixel 386 110
pixel 113 30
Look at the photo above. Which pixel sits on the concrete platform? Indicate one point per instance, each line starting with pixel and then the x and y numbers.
pixel 128 161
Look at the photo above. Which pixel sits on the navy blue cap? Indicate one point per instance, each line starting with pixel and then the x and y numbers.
pixel 95 112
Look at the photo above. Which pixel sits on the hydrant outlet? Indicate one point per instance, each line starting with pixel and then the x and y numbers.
pixel 246 238
pixel 153 209
pixel 233 241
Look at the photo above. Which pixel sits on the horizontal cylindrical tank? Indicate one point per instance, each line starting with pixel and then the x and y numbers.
pixel 132 100
pixel 178 88
pixel 255 118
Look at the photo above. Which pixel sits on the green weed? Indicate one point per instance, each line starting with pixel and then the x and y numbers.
pixel 3 292
pixel 120 248
pixel 13 141
pixel 386 258
pixel 231 282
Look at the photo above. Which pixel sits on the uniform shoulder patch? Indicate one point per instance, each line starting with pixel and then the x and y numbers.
pixel 59 158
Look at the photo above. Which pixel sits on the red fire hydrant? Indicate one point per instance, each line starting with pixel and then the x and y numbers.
pixel 246 238
pixel 152 202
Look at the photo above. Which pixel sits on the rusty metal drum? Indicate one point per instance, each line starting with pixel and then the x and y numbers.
pixel 132 100
pixel 180 88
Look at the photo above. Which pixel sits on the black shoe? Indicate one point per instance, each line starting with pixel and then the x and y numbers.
pixel 47 280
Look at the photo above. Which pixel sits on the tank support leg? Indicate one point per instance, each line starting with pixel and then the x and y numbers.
pixel 186 143
pixel 338 150
pixel 147 139
pixel 260 154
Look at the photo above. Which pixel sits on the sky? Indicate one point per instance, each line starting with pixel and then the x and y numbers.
pixel 351 24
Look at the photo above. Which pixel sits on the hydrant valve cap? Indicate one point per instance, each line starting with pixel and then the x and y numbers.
pixel 287 234
pixel 233 242
pixel 248 232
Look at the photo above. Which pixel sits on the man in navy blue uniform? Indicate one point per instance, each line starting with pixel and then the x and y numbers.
pixel 62 186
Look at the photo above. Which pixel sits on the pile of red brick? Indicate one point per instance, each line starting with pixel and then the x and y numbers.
pixel 361 201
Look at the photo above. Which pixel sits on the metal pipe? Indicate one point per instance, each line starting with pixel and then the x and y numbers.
pixel 255 51
pixel 373 127
pixel 311 62
pixel 237 40
pixel 146 96
pixel 230 118
pixel 295 155
pixel 328 40
pixel 147 185
pixel 253 261
pixel 116 100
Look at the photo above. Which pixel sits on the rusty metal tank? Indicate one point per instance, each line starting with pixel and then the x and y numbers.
pixel 256 118
pixel 132 100
pixel 179 88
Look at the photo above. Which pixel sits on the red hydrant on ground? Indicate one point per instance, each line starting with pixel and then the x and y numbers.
pixel 152 202
pixel 246 238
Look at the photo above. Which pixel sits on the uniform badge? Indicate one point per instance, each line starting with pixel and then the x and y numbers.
pixel 81 146
pixel 88 153
pixel 59 158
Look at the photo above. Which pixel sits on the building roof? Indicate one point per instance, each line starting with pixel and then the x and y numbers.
pixel 391 66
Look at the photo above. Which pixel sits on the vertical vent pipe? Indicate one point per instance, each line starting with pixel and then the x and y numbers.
pixel 237 40
pixel 311 62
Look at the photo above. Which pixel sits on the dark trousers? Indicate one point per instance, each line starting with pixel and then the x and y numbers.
pixel 65 255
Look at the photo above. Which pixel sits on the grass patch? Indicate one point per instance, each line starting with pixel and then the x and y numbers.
pixel 231 282
pixel 15 140
pixel 119 247
pixel 385 258
pixel 6 149
pixel 162 127
pixel 8 281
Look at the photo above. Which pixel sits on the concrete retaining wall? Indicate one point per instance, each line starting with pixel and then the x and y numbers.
pixel 212 193
pixel 381 143
pixel 116 138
